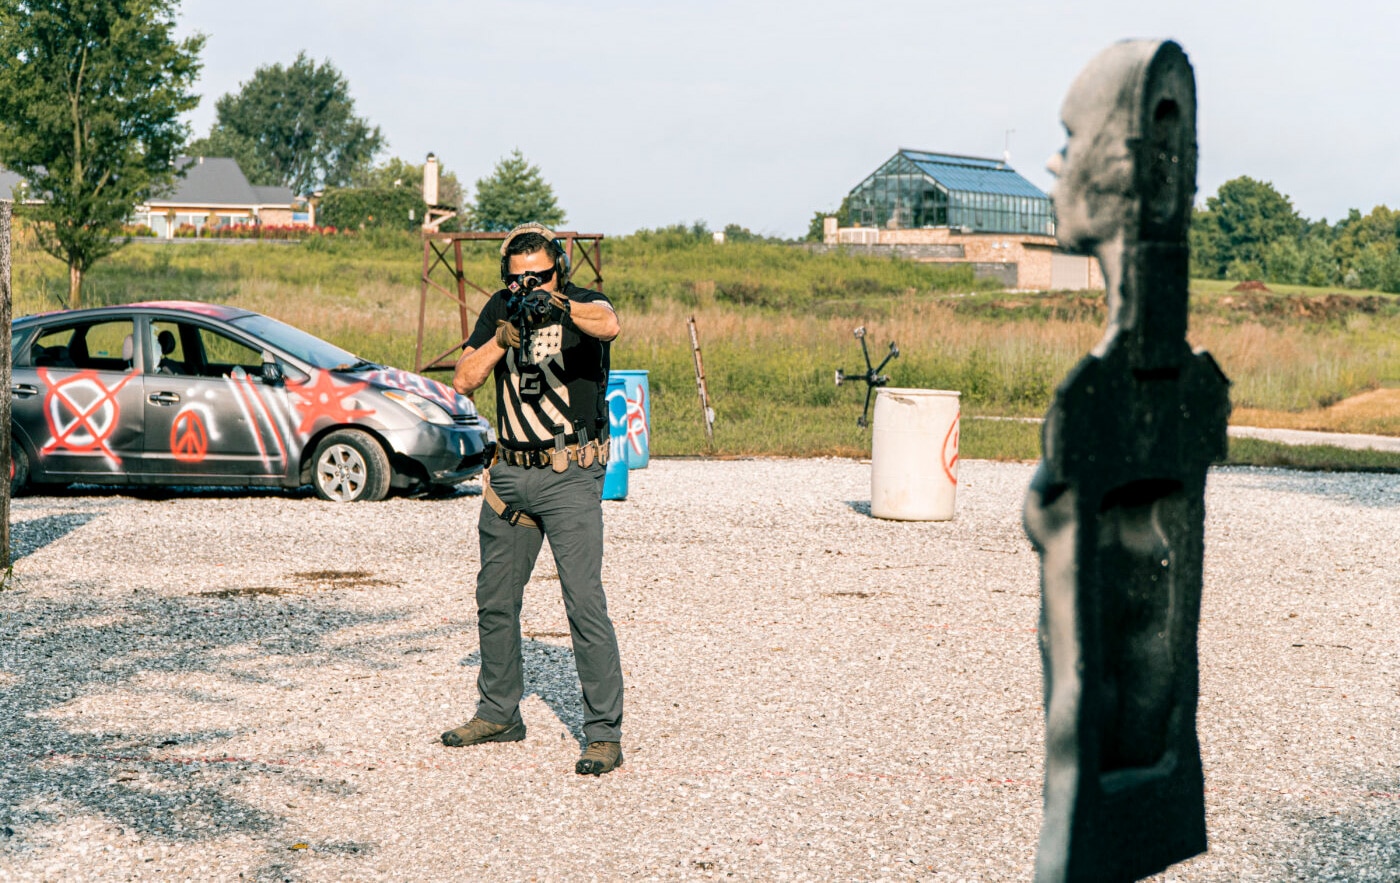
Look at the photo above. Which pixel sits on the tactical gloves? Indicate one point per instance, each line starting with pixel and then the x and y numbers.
pixel 560 301
pixel 507 335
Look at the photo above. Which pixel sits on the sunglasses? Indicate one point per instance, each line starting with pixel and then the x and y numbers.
pixel 543 276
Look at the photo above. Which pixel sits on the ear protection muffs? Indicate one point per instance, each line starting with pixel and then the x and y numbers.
pixel 555 247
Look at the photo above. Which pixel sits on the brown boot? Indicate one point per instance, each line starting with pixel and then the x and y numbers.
pixel 476 731
pixel 599 758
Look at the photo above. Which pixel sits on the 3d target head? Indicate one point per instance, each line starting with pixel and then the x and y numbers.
pixel 1129 162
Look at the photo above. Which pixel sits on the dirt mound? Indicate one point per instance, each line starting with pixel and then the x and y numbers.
pixel 1251 285
pixel 1326 307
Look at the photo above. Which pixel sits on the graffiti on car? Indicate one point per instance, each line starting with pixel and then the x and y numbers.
pixel 82 413
pixel 325 397
pixel 256 411
pixel 189 439
pixel 432 390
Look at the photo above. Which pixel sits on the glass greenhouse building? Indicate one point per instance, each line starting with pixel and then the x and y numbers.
pixel 920 189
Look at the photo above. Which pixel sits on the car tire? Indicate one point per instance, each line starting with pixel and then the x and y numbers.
pixel 19 468
pixel 349 466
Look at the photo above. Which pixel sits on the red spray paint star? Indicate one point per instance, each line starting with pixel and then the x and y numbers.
pixel 323 396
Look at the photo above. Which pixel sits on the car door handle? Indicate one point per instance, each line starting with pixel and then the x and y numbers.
pixel 164 398
pixel 24 390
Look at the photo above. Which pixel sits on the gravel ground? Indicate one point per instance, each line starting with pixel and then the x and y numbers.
pixel 195 686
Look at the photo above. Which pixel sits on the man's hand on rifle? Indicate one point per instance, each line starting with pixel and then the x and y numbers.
pixel 561 302
pixel 507 335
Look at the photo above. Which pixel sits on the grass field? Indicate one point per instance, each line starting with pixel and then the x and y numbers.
pixel 775 322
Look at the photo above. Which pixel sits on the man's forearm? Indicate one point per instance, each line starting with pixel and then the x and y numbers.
pixel 594 319
pixel 475 366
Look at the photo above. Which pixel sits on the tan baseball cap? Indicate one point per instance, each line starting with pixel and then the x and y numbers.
pixel 528 227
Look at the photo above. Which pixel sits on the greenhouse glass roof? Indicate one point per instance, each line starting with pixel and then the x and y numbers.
pixel 972 174
pixel 919 189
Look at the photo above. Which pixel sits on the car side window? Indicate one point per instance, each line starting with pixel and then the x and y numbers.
pixel 222 354
pixel 99 346
pixel 168 345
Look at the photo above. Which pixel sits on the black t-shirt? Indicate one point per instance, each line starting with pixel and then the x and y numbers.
pixel 557 385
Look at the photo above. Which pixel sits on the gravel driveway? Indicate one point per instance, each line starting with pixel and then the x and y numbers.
pixel 213 687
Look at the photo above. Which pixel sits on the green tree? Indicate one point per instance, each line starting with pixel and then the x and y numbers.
pixel 1369 265
pixel 1204 237
pixel 514 193
pixel 359 207
pixel 1358 234
pixel 91 93
pixel 1319 265
pixel 1283 261
pixel 815 228
pixel 299 124
pixel 395 172
pixel 1240 222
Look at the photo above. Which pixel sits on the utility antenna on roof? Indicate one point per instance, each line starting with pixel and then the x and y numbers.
pixel 1006 149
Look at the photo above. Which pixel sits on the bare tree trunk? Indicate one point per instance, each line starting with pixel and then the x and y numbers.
pixel 6 456
pixel 75 286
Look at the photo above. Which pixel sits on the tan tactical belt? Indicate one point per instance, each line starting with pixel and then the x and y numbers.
pixel 557 458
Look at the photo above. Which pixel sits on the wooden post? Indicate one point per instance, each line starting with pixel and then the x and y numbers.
pixel 707 411
pixel 422 307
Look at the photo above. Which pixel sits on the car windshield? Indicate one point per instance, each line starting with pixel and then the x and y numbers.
pixel 309 348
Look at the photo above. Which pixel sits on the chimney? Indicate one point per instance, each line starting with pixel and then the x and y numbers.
pixel 430 180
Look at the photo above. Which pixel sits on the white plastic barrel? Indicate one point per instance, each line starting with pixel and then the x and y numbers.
pixel 914 455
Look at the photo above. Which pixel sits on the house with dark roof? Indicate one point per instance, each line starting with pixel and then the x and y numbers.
pixel 946 208
pixel 214 192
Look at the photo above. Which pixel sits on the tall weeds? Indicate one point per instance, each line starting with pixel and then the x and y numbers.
pixel 775 323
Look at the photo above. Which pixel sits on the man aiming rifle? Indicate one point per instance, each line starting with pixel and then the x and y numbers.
pixel 546 342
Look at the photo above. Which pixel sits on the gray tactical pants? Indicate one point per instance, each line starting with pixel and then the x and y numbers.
pixel 568 507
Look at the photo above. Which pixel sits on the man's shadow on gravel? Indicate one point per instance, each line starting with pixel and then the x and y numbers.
pixel 551 674
pixel 149 779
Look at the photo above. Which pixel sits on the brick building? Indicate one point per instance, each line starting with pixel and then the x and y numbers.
pixel 945 208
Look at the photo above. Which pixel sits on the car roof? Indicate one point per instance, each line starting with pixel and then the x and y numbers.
pixel 212 311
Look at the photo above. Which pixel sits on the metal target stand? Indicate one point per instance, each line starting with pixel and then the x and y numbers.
pixel 872 377
pixel 443 271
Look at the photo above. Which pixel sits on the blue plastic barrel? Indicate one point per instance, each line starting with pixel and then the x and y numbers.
pixel 615 480
pixel 638 397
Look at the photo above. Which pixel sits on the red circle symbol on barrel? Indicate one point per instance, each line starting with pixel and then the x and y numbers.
pixel 950 449
pixel 189 441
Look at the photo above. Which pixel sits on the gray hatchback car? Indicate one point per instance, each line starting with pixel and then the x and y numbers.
pixel 183 393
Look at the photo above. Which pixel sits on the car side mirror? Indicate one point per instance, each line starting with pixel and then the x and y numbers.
pixel 271 371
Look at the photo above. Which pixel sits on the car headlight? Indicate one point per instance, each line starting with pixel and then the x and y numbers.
pixel 426 410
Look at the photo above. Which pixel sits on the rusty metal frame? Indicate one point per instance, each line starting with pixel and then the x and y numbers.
pixel 436 248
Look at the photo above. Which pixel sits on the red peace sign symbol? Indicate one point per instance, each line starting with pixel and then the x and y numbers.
pixel 950 449
pixel 189 441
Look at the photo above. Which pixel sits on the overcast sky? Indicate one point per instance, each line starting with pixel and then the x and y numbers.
pixel 761 112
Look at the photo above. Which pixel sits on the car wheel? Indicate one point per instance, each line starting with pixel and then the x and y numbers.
pixel 19 468
pixel 350 466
